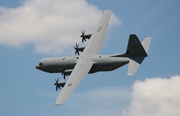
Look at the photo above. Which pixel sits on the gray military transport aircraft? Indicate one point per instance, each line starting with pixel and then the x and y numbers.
pixel 91 62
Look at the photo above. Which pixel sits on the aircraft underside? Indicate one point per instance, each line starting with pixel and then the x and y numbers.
pixel 102 64
pixel 106 67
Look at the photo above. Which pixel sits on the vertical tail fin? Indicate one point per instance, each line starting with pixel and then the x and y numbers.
pixel 135 47
pixel 136 52
pixel 145 43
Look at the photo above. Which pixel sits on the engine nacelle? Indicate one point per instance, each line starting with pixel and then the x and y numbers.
pixel 87 36
pixel 81 49
pixel 68 71
pixel 61 84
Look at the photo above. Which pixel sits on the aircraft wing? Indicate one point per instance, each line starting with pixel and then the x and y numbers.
pixel 85 63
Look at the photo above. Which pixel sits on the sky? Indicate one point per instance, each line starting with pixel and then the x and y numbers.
pixel 31 30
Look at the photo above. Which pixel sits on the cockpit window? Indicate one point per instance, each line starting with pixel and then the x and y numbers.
pixel 40 64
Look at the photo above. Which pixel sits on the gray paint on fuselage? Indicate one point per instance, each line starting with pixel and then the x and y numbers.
pixel 101 63
pixel 57 64
pixel 107 63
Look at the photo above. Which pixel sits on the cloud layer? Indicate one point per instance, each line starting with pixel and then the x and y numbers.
pixel 51 26
pixel 155 97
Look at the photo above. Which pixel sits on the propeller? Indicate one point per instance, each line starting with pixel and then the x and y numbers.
pixel 56 84
pixel 76 49
pixel 83 37
pixel 64 74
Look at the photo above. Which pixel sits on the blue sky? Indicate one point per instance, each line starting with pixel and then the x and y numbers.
pixel 153 90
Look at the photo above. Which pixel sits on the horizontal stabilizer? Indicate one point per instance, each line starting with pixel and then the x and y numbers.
pixel 134 64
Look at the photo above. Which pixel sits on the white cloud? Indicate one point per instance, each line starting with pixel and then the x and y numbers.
pixel 51 26
pixel 155 97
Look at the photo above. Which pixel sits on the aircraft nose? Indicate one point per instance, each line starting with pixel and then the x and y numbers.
pixel 37 66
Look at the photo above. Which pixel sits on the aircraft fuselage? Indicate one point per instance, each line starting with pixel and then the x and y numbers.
pixel 67 64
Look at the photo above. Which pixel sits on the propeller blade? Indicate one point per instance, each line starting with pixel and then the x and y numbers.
pixel 64 77
pixel 56 88
pixel 57 80
pixel 77 45
pixel 77 52
pixel 83 32
pixel 64 74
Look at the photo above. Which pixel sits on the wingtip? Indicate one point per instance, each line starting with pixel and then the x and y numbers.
pixel 107 11
pixel 57 104
pixel 129 75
